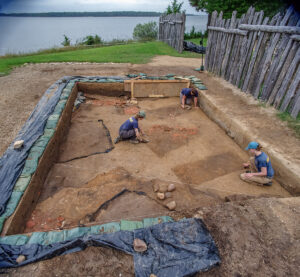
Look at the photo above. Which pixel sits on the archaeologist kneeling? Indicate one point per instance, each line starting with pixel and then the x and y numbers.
pixel 260 167
pixel 130 129
pixel 187 96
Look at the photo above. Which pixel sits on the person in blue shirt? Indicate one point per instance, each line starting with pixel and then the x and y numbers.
pixel 261 170
pixel 130 129
pixel 187 96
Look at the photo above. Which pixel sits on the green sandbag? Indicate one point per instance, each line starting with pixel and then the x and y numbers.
pixel 30 167
pixel 64 95
pixel 147 222
pixel 2 220
pixel 12 203
pixel 42 141
pixel 14 240
pixel 37 238
pixel 37 149
pixel 201 87
pixel 22 183
pixel 76 232
pixel 106 228
pixel 53 236
pixel 48 133
pixel 130 225
pixel 170 75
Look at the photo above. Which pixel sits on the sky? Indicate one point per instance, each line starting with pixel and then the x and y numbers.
pixel 16 6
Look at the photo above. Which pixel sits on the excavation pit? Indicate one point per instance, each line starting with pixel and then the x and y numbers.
pixel 83 179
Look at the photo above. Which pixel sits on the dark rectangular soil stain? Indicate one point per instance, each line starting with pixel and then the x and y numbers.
pixel 208 169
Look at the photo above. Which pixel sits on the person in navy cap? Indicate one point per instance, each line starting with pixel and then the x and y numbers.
pixel 130 129
pixel 261 170
pixel 187 96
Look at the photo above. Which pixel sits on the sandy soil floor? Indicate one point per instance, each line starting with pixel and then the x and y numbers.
pixel 186 148
pixel 258 237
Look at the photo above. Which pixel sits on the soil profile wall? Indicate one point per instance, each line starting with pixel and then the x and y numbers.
pixel 287 176
pixel 16 223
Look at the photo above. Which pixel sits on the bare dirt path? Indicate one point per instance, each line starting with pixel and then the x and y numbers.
pixel 257 237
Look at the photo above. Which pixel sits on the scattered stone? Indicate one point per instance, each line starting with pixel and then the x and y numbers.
pixel 168 194
pixel 160 195
pixel 18 144
pixel 139 245
pixel 163 187
pixel 20 259
pixel 155 187
pixel 171 187
pixel 171 205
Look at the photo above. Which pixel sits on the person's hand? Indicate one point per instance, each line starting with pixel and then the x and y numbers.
pixel 246 165
pixel 248 175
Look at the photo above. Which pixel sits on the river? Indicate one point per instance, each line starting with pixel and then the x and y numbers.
pixel 27 34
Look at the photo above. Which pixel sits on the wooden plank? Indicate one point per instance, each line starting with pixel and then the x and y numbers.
pixel 257 45
pixel 234 70
pixel 230 31
pixel 218 47
pixel 209 40
pixel 223 48
pixel 233 51
pixel 131 89
pixel 280 56
pixel 290 52
pixel 229 45
pixel 295 37
pixel 271 29
pixel 291 91
pixel 214 42
pixel 261 56
pixel 247 42
pixel 287 79
pixel 269 53
pixel 296 107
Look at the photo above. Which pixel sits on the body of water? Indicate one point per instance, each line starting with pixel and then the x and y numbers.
pixel 28 34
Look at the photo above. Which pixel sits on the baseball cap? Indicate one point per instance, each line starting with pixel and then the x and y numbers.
pixel 252 145
pixel 142 114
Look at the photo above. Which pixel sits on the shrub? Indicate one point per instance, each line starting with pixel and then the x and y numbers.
pixel 66 41
pixel 90 40
pixel 147 31
pixel 174 7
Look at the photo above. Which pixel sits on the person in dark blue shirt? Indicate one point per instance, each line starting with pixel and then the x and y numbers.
pixel 260 164
pixel 187 96
pixel 130 129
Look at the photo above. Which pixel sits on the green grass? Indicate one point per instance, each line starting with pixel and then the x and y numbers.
pixel 197 41
pixel 137 53
pixel 293 123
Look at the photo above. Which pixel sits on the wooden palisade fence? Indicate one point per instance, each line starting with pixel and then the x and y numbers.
pixel 259 55
pixel 171 30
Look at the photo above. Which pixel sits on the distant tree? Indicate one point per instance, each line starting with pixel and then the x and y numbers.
pixel 66 41
pixel 270 7
pixel 147 31
pixel 174 7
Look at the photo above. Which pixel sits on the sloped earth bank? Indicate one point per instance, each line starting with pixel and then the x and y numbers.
pixel 257 237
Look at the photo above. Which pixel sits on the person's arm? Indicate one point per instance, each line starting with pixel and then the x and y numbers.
pixel 137 133
pixel 262 173
pixel 183 101
pixel 195 101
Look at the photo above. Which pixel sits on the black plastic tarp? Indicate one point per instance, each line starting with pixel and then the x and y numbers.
pixel 190 46
pixel 174 249
pixel 12 161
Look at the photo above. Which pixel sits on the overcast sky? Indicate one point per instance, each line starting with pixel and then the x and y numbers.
pixel 8 6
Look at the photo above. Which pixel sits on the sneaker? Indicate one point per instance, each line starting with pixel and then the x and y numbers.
pixel 134 141
pixel 145 140
pixel 268 184
pixel 118 139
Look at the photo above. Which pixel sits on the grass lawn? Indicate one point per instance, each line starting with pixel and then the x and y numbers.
pixel 131 53
pixel 197 41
